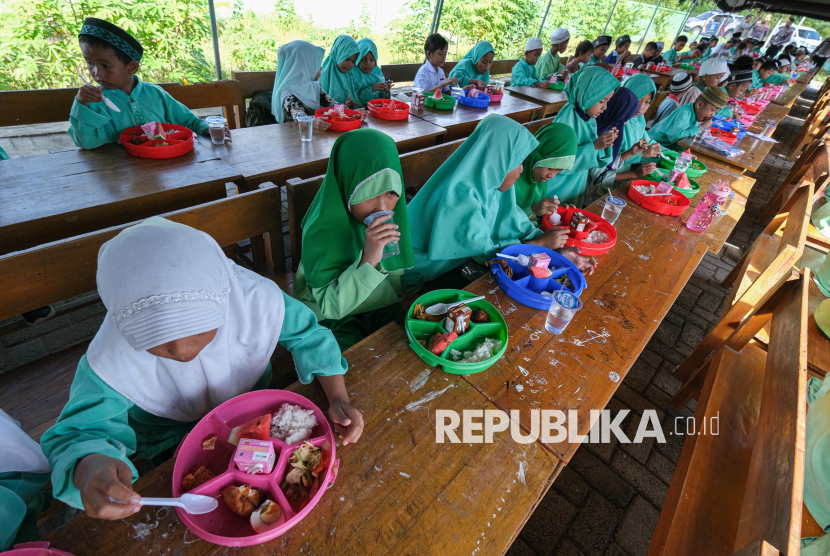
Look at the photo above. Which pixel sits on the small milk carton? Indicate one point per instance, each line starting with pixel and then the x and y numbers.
pixel 540 260
pixel 254 456
pixel 579 221
pixel 458 318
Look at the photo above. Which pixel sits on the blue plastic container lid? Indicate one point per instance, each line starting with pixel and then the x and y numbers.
pixel 481 101
pixel 616 201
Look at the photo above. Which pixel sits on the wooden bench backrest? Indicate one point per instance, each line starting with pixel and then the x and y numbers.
pixel 652 109
pixel 794 179
pixel 40 106
pixel 63 269
pixel 417 167
pixel 536 125
pixel 739 492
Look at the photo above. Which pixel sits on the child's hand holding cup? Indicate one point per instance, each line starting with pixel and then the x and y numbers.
pixel 381 238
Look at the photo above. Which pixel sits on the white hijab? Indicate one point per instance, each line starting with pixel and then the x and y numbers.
pixel 18 452
pixel 161 281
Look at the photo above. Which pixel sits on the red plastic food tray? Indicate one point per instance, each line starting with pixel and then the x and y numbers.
pixel 179 138
pixel 724 136
pixel 589 249
pixel 669 206
pixel 222 526
pixel 351 119
pixel 388 109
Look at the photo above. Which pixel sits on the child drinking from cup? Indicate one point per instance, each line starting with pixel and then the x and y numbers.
pixel 354 248
pixel 113 58
pixel 430 76
pixel 186 330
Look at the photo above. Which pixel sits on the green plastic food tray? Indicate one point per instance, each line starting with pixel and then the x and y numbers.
pixel 445 103
pixel 557 86
pixel 696 170
pixel 474 336
pixel 687 66
pixel 689 193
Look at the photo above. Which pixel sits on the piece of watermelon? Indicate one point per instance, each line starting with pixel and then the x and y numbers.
pixel 255 429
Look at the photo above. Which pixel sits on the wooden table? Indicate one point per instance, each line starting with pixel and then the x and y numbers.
pixel 788 97
pixel 663 79
pixel 275 152
pixel 755 150
pixel 462 120
pixel 807 77
pixel 551 101
pixel 398 491
pixel 772 114
pixel 54 196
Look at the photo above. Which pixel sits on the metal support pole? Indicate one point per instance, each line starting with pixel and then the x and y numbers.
pixel 685 19
pixel 215 35
pixel 436 17
pixel 539 34
pixel 649 26
pixel 614 7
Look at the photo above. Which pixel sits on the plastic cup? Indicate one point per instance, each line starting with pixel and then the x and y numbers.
pixel 216 126
pixel 497 86
pixel 613 208
pixel 563 307
pixel 306 124
pixel 457 92
pixel 392 248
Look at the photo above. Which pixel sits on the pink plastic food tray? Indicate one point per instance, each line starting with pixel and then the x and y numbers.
pixel 40 548
pixel 222 526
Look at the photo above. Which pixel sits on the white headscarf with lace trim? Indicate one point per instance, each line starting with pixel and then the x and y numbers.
pixel 161 281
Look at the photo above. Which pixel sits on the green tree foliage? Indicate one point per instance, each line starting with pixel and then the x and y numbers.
pixel 41 50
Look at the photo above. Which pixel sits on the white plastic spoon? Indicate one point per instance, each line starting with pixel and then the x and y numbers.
pixel 191 503
pixel 110 104
pixel 441 308
pixel 523 260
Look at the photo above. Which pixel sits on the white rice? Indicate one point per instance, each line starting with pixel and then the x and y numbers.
pixel 292 423
pixel 597 237
pixel 483 352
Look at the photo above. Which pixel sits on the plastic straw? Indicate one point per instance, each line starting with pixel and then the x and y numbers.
pixel 608 189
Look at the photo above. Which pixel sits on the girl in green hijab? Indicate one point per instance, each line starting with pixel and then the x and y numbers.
pixel 474 68
pixel 588 92
pixel 343 276
pixel 556 152
pixel 368 78
pixel 635 130
pixel 336 77
pixel 467 210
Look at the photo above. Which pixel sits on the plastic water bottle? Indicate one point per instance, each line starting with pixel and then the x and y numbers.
pixel 709 206
pixel 725 208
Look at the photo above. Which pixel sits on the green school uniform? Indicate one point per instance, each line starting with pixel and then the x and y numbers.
pixel 670 55
pixel 99 420
pixel 585 89
pixel 777 79
pixel 98 125
pixel 679 124
pixel 3 155
pixel 817 460
pixel 549 64
pixel 635 128
pixel 465 69
pixel 460 212
pixel 364 164
pixel 757 82
pixel 557 149
pixel 338 85
pixel 21 501
pixel 365 81
pixel 523 74
pixel 724 112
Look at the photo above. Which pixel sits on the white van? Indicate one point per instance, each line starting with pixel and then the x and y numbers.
pixel 803 36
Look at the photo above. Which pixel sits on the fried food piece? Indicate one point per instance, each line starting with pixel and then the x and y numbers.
pixel 200 477
pixel 504 266
pixel 420 313
pixel 479 316
pixel 209 443
pixel 242 500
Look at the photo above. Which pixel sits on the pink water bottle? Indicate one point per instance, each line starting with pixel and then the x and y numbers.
pixel 709 206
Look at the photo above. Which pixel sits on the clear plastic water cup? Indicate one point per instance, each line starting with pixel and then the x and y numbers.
pixel 216 125
pixel 457 92
pixel 563 307
pixel 613 208
pixel 393 247
pixel 306 124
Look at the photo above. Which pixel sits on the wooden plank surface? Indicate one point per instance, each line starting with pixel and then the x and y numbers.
pixel 755 150
pixel 818 346
pixel 49 197
pixel 462 120
pixel 275 152
pixel 788 97
pixel 553 101
pixel 627 297
pixel 397 490
pixel 772 114
pixel 662 79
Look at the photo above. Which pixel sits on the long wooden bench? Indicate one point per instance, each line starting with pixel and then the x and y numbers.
pixel 738 486
pixel 417 167
pixel 39 106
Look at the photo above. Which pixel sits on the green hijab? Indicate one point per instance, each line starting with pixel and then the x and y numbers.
pixel 635 129
pixel 365 81
pixel 460 211
pixel 465 70
pixel 363 164
pixel 557 149
pixel 335 83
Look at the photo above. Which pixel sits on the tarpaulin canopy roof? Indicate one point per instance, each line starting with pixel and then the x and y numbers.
pixel 818 9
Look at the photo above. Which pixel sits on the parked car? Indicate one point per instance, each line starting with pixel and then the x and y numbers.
pixel 715 23
pixel 803 36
